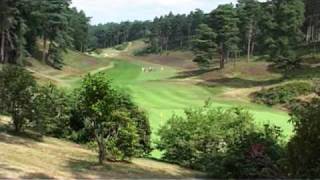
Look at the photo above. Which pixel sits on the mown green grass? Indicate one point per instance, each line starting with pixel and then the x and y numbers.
pixel 162 96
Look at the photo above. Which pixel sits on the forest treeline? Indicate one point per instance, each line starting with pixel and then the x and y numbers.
pixel 45 29
pixel 272 28
pixel 42 29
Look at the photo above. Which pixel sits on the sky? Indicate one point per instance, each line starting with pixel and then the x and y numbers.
pixel 103 11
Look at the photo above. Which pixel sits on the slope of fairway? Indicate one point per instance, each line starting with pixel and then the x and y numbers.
pixel 162 96
pixel 76 65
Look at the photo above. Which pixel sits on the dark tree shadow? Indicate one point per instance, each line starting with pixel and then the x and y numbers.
pixel 304 73
pixel 242 83
pixel 36 176
pixel 115 170
pixel 193 73
pixel 11 137
pixel 25 138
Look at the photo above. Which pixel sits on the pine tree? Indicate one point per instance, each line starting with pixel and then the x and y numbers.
pixel 8 25
pixel 224 21
pixel 204 46
pixel 249 12
pixel 281 27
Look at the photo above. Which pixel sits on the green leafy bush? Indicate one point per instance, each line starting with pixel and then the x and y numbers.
pixel 17 88
pixel 259 154
pixel 283 94
pixel 224 143
pixel 304 146
pixel 51 111
pixel 45 109
pixel 109 118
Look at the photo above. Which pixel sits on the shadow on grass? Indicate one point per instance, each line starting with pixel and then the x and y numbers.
pixel 304 73
pixel 36 176
pixel 193 73
pixel 4 167
pixel 243 83
pixel 83 169
pixel 24 138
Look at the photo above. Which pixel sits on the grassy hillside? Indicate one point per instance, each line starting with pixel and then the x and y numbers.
pixel 162 95
pixel 29 156
pixel 76 65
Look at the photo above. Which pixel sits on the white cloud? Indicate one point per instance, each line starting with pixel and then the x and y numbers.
pixel 103 11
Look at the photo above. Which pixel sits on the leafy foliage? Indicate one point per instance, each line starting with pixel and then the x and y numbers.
pixel 23 22
pixel 112 120
pixel 224 143
pixel 283 94
pixel 16 95
pixel 44 108
pixel 51 111
pixel 281 25
pixel 224 20
pixel 249 12
pixel 204 46
pixel 259 154
pixel 304 146
pixel 206 132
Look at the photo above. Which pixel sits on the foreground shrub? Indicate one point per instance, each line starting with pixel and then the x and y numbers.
pixel 45 109
pixel 283 94
pixel 119 130
pixel 224 143
pixel 16 95
pixel 257 154
pixel 304 146
pixel 51 111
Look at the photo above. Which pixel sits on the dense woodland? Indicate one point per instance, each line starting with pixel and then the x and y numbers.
pixel 43 29
pixel 248 28
pixel 272 28
pixel 225 143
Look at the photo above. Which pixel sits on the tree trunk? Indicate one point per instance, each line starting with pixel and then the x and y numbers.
pixel 221 59
pixel 252 46
pixel 249 42
pixel 2 47
pixel 17 124
pixel 222 62
pixel 102 151
pixel 235 59
pixel 222 56
pixel 167 40
pixel 44 52
pixel 228 57
pixel 102 147
pixel 249 50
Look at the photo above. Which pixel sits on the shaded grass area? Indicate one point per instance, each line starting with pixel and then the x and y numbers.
pixel 26 158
